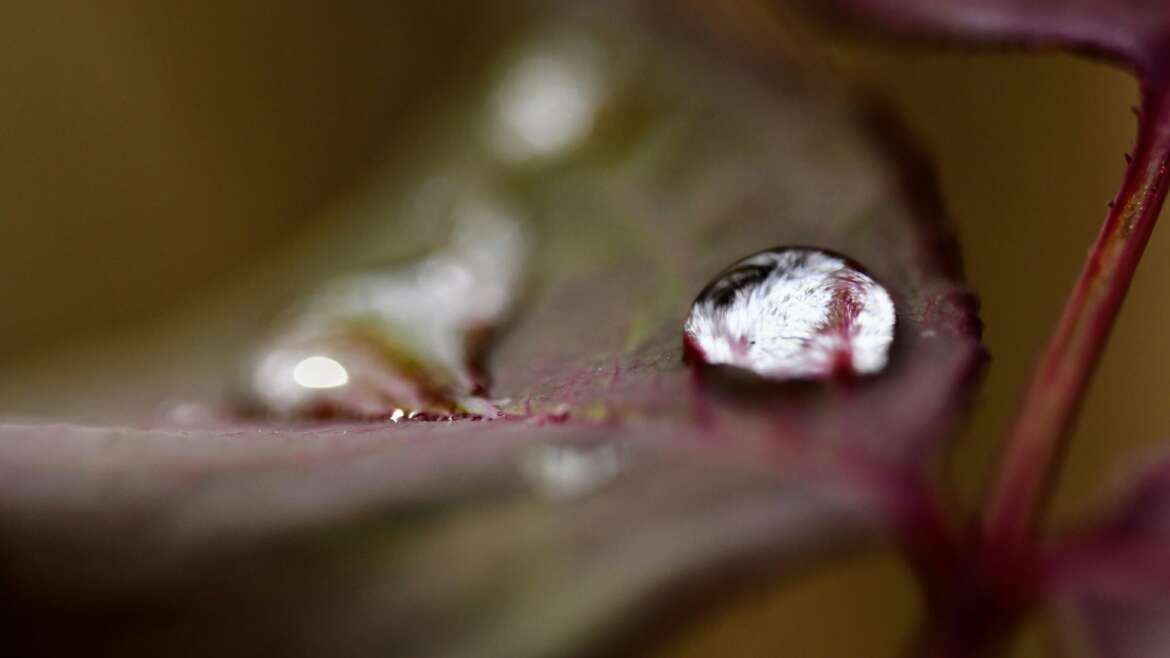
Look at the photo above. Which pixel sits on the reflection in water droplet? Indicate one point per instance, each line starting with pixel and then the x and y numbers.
pixel 563 472
pixel 392 342
pixel 792 313
pixel 548 101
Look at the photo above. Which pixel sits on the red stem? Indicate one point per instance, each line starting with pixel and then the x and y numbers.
pixel 1037 441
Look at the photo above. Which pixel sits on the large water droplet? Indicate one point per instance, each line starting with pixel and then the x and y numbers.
pixel 792 313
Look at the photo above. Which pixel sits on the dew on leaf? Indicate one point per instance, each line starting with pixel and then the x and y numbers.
pixel 548 100
pixel 642 510
pixel 320 372
pixel 562 472
pixel 792 313
pixel 387 343
pixel 187 413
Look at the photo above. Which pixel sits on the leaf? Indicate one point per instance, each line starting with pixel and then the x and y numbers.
pixel 433 540
pixel 1134 31
pixel 1112 579
pixel 618 486
pixel 743 157
pixel 1115 578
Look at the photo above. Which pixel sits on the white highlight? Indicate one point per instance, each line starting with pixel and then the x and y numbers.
pixel 777 314
pixel 432 305
pixel 565 472
pixel 427 310
pixel 320 372
pixel 547 103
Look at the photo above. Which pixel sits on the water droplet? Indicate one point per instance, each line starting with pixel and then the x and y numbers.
pixel 320 372
pixel 188 413
pixel 547 102
pixel 792 313
pixel 562 472
pixel 392 342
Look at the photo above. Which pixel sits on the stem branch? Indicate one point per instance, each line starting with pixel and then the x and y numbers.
pixel 1049 408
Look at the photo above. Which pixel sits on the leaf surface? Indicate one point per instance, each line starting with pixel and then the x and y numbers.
pixel 619 485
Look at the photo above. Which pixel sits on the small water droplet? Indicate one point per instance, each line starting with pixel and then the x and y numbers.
pixel 188 412
pixel 562 472
pixel 792 313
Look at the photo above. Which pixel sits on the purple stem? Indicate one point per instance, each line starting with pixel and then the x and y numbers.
pixel 1049 409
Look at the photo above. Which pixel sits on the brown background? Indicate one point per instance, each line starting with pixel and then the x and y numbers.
pixel 153 153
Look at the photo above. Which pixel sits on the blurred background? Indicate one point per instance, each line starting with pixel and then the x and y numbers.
pixel 157 157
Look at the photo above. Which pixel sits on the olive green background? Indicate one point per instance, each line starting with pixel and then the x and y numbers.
pixel 151 153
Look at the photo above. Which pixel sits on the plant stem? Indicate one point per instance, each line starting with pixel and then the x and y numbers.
pixel 1049 409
